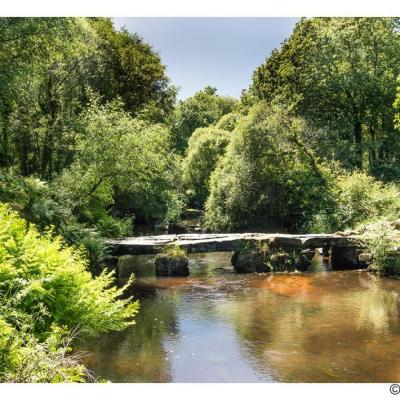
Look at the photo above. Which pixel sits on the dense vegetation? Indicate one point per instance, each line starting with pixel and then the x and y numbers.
pixel 85 153
pixel 46 293
pixel 93 144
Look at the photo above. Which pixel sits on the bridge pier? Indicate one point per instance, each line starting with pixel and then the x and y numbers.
pixel 171 266
pixel 253 252
pixel 326 251
pixel 345 257
pixel 264 257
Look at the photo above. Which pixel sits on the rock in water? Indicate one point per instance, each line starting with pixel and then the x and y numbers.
pixel 167 265
pixel 261 258
pixel 249 260
pixel 365 259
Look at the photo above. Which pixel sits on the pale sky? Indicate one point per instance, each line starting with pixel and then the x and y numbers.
pixel 221 52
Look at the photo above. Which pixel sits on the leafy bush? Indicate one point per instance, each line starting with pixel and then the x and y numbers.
pixel 33 198
pixel 42 272
pixel 35 201
pixel 25 359
pixel 357 198
pixel 206 145
pixel 383 244
pixel 112 227
pixel 173 251
pixel 46 289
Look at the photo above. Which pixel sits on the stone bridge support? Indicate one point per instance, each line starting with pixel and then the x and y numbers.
pixel 253 252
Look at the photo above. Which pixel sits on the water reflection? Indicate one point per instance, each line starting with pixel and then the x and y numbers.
pixel 215 326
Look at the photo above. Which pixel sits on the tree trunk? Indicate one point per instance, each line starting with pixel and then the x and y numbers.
pixel 5 140
pixel 358 142
pixel 372 150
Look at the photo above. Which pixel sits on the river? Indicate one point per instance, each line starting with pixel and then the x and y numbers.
pixel 217 326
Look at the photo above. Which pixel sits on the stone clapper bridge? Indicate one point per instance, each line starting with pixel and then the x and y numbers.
pixel 252 252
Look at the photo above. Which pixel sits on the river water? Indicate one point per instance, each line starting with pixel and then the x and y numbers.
pixel 216 326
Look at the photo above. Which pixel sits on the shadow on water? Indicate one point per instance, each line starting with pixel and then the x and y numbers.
pixel 216 326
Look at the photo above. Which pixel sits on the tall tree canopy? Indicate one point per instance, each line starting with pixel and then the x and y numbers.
pixel 128 68
pixel 206 146
pixel 340 74
pixel 47 66
pixel 202 109
pixel 267 175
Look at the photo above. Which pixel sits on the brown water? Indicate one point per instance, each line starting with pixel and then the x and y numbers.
pixel 215 326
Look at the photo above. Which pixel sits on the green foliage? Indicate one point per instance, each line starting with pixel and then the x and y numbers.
pixel 173 251
pixel 33 198
pixel 36 202
pixel 113 227
pixel 340 74
pixel 128 68
pixel 46 291
pixel 228 122
pixel 119 158
pixel 48 68
pixel 64 83
pixel 357 198
pixel 43 274
pixel 396 105
pixel 383 243
pixel 25 359
pixel 202 109
pixel 267 176
pixel 43 79
pixel 206 145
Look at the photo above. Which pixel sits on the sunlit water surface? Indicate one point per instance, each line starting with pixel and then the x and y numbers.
pixel 215 326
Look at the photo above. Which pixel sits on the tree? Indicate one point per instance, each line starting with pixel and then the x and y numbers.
pixel 229 121
pixel 267 176
pixel 41 63
pixel 118 157
pixel 49 66
pixel 128 68
pixel 202 109
pixel 340 74
pixel 206 145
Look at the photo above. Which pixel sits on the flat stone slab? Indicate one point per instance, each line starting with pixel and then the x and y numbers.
pixel 211 242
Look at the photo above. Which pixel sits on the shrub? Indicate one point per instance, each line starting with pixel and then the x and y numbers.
pixel 112 227
pixel 382 239
pixel 34 200
pixel 173 251
pixel 24 359
pixel 42 272
pixel 357 198
pixel 46 292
